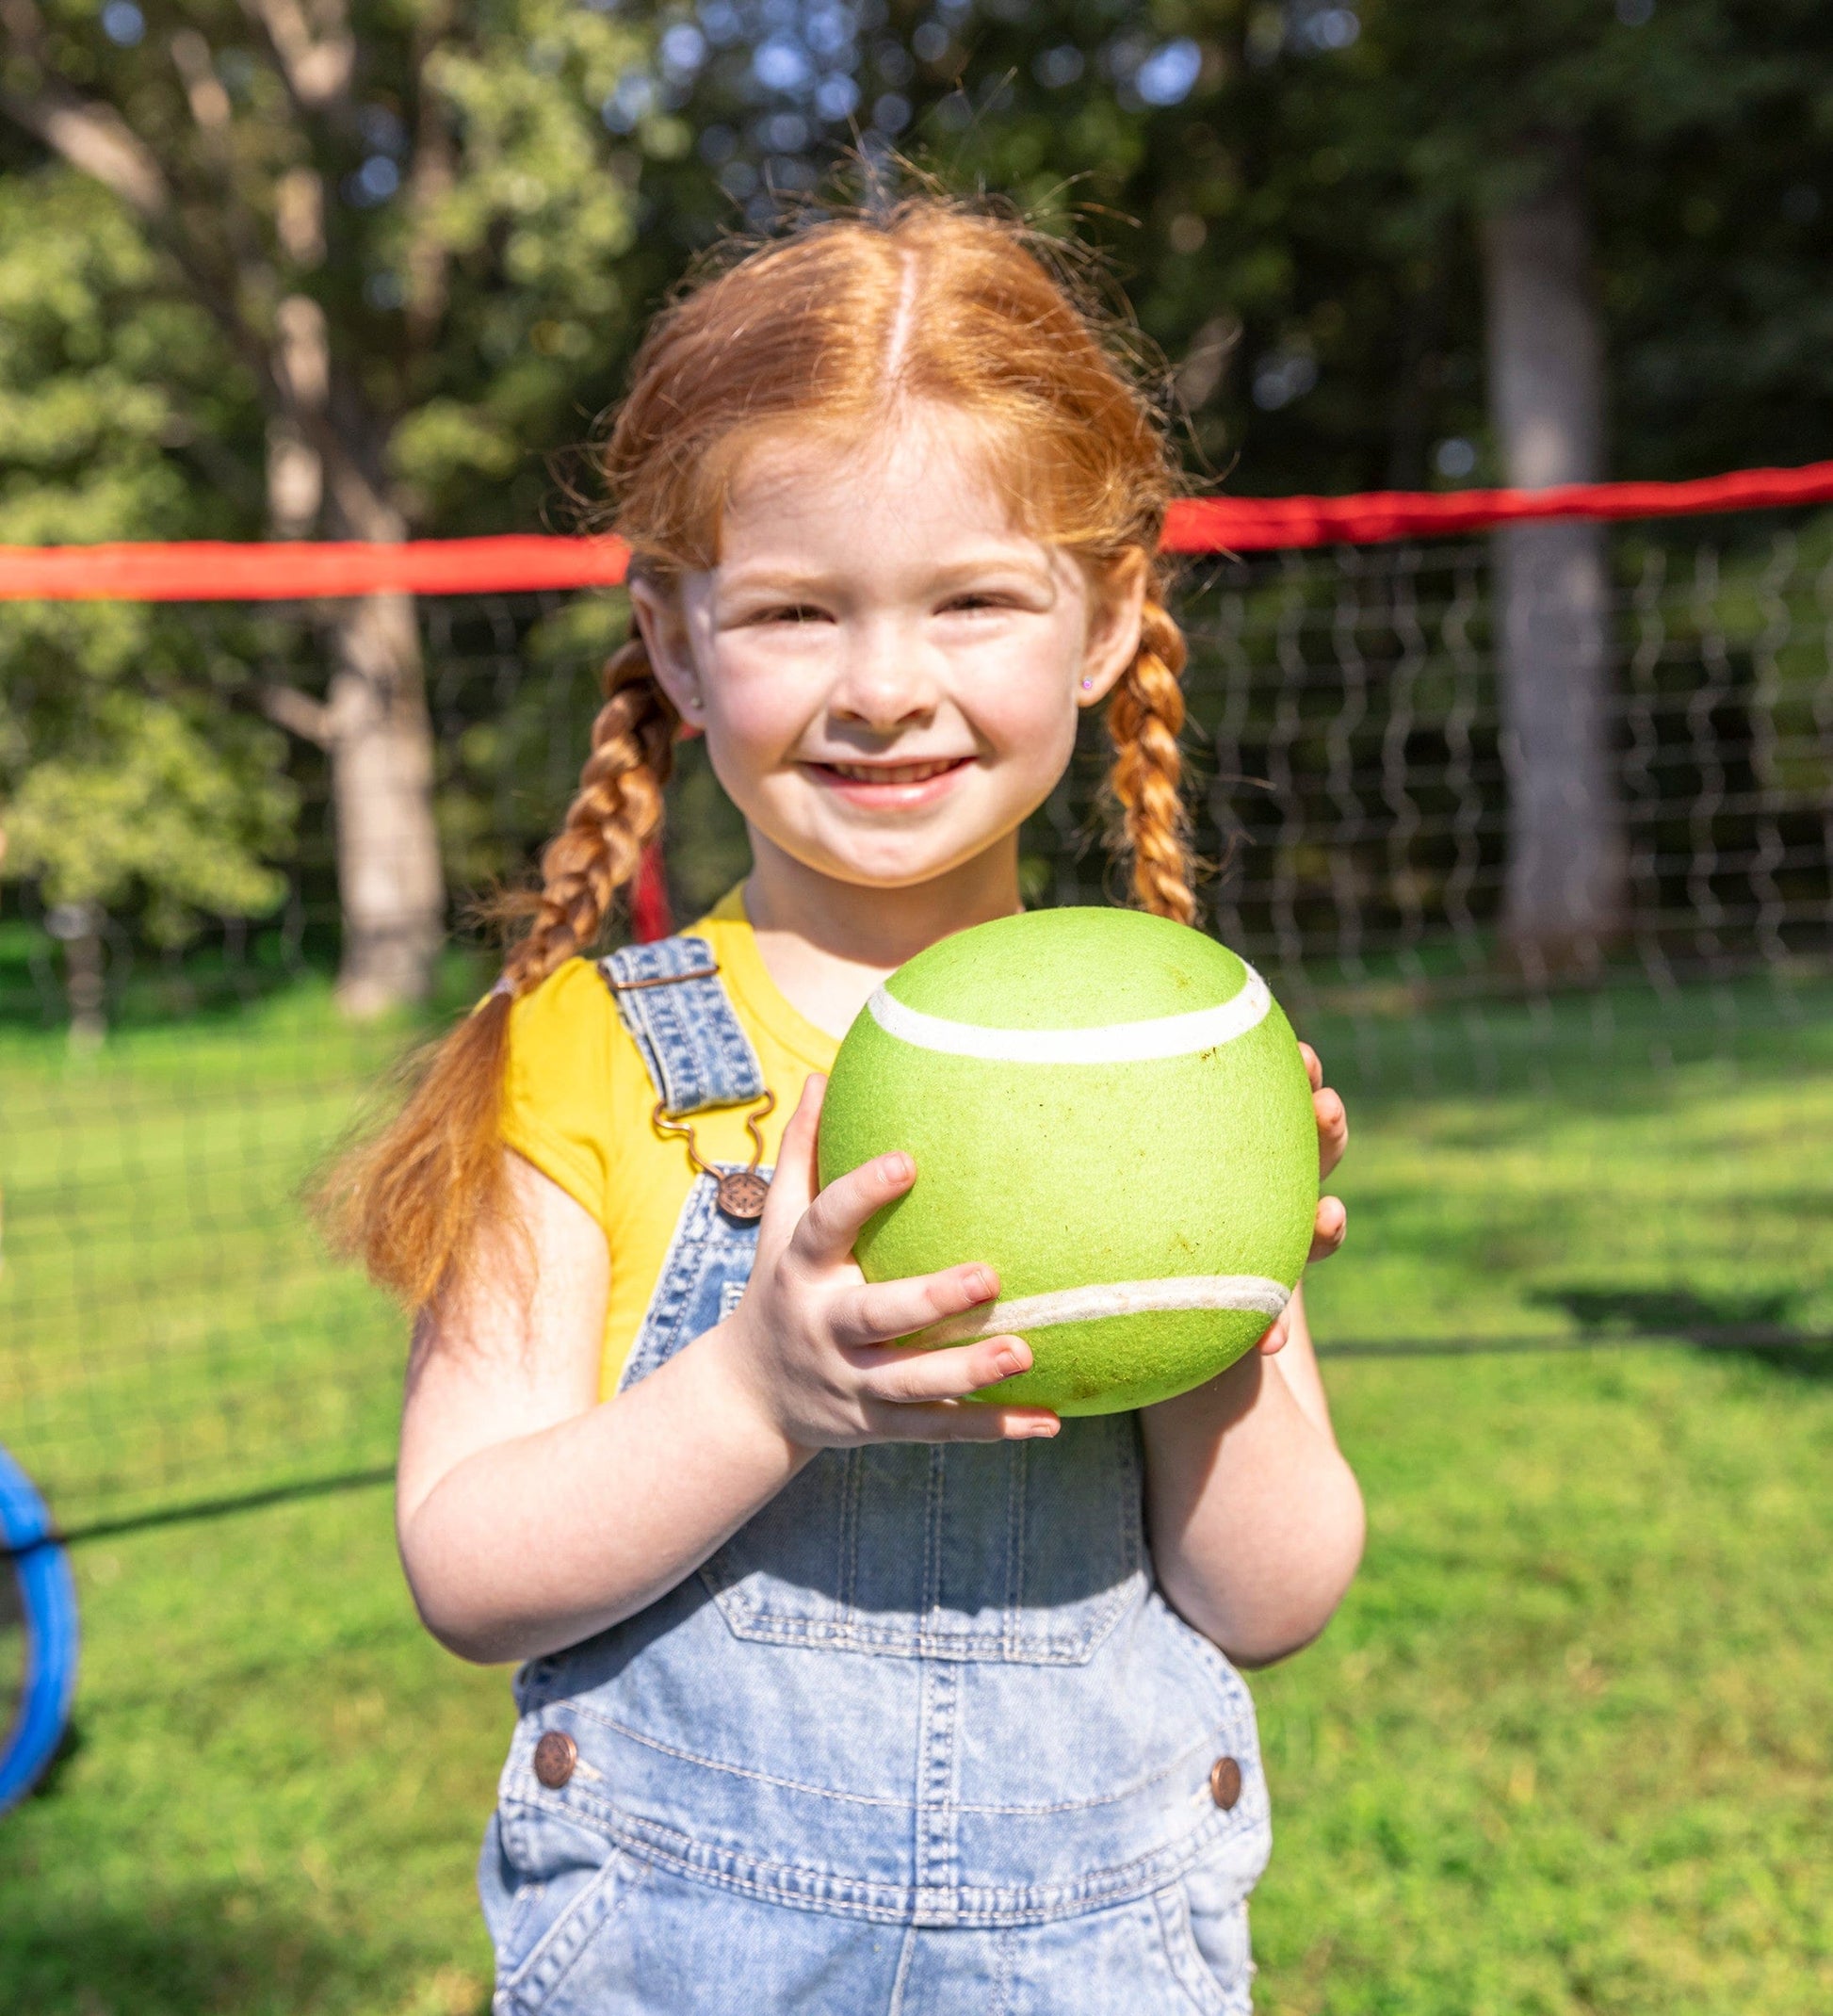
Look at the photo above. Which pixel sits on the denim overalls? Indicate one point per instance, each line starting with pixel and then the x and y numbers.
pixel 922 1737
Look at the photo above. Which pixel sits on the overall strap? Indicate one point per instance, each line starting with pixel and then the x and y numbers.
pixel 670 998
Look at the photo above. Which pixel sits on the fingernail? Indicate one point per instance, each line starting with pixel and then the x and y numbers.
pixel 1040 1430
pixel 981 1284
pixel 1012 1358
pixel 898 1169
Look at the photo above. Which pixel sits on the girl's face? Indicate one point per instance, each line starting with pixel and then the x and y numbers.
pixel 887 671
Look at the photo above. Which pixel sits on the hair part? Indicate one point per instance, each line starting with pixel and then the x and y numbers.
pixel 833 328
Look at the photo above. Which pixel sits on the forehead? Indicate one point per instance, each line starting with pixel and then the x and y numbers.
pixel 925 474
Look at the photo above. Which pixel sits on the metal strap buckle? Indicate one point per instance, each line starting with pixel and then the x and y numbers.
pixel 741 1192
pixel 660 979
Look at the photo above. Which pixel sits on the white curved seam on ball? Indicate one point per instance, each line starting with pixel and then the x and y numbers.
pixel 1165 1035
pixel 1174 1293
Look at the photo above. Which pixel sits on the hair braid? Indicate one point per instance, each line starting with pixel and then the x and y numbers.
pixel 1145 720
pixel 617 810
pixel 412 1200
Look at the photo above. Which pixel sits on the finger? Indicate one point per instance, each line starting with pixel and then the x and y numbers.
pixel 1333 1128
pixel 1273 1341
pixel 891 1309
pixel 961 1421
pixel 917 1374
pixel 1313 1069
pixel 833 1220
pixel 1328 1227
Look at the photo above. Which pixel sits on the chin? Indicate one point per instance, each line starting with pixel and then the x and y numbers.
pixel 854 859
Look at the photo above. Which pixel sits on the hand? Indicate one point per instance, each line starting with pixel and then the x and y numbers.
pixel 1331 1221
pixel 810 1344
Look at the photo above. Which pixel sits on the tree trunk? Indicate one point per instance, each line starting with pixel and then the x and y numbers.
pixel 389 880
pixel 1565 895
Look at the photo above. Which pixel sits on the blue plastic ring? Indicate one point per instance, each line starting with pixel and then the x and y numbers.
pixel 48 1596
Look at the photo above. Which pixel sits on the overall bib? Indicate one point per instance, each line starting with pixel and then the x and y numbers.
pixel 923 1736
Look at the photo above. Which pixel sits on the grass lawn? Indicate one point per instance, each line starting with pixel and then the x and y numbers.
pixel 1566 1750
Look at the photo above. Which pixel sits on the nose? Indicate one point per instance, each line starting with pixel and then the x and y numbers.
pixel 885 681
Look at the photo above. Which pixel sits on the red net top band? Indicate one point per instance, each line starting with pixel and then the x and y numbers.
pixel 215 571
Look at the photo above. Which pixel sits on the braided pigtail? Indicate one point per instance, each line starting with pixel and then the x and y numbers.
pixel 616 812
pixel 410 1201
pixel 1145 717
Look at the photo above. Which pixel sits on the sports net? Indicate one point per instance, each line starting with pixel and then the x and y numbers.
pixel 1559 1141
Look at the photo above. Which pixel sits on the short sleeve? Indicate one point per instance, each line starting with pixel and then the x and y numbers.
pixel 557 1092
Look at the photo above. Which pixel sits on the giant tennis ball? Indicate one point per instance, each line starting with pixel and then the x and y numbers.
pixel 1111 1111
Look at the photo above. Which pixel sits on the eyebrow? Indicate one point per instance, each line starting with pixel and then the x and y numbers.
pixel 799 580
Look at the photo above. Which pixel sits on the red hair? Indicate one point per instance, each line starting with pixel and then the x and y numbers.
pixel 831 328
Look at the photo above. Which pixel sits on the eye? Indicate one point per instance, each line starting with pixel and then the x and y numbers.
pixel 791 612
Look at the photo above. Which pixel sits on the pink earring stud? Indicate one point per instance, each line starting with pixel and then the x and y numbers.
pixel 1087 686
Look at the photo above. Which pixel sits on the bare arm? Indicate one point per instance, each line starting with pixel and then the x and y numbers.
pixel 1256 1518
pixel 531 1515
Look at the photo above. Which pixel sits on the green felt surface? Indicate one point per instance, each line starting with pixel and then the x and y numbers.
pixel 1070 968
pixel 1068 1176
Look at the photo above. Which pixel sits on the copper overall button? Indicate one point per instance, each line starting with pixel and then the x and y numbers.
pixel 1225 1781
pixel 556 1753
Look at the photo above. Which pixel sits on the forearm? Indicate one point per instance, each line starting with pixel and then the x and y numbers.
pixel 1256 1518
pixel 539 1541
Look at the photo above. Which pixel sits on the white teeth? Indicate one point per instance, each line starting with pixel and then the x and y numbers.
pixel 892 773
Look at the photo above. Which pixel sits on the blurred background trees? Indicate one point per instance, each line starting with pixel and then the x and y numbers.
pixel 395 232
pixel 354 271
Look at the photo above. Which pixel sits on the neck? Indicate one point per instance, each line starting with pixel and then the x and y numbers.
pixel 827 944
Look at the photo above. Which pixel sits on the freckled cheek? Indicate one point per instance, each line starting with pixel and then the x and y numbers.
pixel 1023 714
pixel 758 710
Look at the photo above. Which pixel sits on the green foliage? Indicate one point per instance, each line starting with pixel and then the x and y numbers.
pixel 395 245
pixel 125 779
pixel 156 801
pixel 106 381
pixel 1298 227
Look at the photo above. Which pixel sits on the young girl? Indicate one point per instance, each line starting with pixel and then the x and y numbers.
pixel 839 1696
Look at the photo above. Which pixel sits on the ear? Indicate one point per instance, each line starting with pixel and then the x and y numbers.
pixel 1117 612
pixel 663 623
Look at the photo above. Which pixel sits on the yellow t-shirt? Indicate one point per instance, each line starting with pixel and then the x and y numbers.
pixel 577 1103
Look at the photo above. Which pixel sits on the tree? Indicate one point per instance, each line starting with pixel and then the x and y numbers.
pixel 1409 241
pixel 129 779
pixel 1566 891
pixel 403 227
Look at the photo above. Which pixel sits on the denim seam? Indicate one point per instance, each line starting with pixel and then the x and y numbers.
pixel 975 1906
pixel 1180 1942
pixel 901 1980
pixel 1017 1487
pixel 695 1048
pixel 1005 1967
pixel 700 1237
pixel 1212 1664
pixel 521 1782
pixel 585 1714
pixel 749 1621
pixel 1202 1748
pixel 558 1951
pixel 852 1485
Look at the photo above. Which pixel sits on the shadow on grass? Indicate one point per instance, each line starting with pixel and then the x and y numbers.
pixel 188 1952
pixel 1755 1323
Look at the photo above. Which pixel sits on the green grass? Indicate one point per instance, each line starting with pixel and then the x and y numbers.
pixel 1567 1750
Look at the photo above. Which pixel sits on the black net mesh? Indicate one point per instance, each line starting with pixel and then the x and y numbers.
pixel 1565 1149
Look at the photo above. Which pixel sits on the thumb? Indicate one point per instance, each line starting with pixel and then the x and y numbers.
pixel 797 1177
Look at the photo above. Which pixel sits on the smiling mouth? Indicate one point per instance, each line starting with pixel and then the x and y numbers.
pixel 891 772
